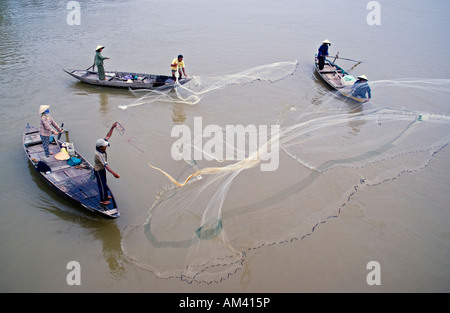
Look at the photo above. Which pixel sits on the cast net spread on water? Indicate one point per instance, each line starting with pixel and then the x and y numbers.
pixel 198 86
pixel 201 227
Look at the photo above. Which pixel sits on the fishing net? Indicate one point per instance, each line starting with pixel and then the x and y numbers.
pixel 198 86
pixel 201 227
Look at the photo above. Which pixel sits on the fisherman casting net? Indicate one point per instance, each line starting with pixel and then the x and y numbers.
pixel 201 228
pixel 195 89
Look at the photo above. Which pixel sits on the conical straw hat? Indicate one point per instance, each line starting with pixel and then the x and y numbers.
pixel 43 108
pixel 363 77
pixel 62 155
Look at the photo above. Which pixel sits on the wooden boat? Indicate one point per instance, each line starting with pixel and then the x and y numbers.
pixel 76 183
pixel 338 79
pixel 126 80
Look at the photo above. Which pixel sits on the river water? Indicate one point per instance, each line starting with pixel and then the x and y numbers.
pixel 400 220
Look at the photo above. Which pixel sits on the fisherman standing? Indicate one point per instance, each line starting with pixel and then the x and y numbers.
pixel 323 53
pixel 47 128
pixel 98 60
pixel 100 164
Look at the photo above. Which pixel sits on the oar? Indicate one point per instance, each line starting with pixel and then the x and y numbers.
pixel 67 135
pixel 353 67
pixel 350 60
pixel 338 57
pixel 92 66
pixel 59 137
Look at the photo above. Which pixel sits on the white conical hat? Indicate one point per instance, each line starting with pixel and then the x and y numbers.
pixel 99 47
pixel 43 108
pixel 62 155
pixel 363 77
pixel 326 41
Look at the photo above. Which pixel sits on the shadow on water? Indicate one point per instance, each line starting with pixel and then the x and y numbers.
pixel 106 231
pixel 80 88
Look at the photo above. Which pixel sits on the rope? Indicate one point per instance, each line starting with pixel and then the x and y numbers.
pixel 132 141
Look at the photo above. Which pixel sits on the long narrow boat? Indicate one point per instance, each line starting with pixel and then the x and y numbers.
pixel 75 183
pixel 126 79
pixel 338 79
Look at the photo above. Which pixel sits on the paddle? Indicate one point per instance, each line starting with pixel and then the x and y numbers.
pixel 61 154
pixel 338 57
pixel 64 131
pixel 354 66
pixel 92 66
pixel 59 137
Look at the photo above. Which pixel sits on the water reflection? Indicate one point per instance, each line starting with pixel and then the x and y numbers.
pixel 179 115
pixel 103 97
pixel 106 231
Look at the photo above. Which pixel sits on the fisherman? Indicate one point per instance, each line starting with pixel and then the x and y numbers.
pixel 178 64
pixel 361 88
pixel 323 53
pixel 100 164
pixel 98 60
pixel 47 128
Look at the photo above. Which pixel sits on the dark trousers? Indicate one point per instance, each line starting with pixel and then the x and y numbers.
pixel 179 74
pixel 45 143
pixel 321 62
pixel 101 183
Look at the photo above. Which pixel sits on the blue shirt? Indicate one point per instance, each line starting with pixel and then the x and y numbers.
pixel 360 88
pixel 323 50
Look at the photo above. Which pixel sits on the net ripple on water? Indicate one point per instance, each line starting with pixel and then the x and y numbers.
pixel 201 232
